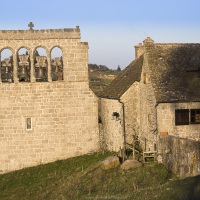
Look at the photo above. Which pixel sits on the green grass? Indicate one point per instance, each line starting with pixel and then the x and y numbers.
pixel 82 178
pixel 41 181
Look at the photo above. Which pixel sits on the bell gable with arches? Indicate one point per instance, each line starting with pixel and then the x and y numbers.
pixel 48 111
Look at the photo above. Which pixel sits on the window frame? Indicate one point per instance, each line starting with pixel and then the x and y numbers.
pixel 29 127
pixel 195 113
pixel 183 115
pixel 188 114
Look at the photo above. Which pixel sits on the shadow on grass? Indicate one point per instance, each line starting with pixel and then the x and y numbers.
pixel 187 189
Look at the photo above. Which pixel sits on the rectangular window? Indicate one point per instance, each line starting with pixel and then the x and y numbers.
pixel 28 123
pixel 144 78
pixel 182 117
pixel 195 116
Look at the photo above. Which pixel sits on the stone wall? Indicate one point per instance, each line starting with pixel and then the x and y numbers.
pixel 148 124
pixel 131 103
pixel 139 50
pixel 140 118
pixel 66 33
pixel 140 115
pixel 180 155
pixel 64 123
pixel 74 52
pixel 166 120
pixel 63 114
pixel 140 110
pixel 112 128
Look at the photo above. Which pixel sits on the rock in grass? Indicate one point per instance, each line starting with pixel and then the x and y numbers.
pixel 130 164
pixel 110 162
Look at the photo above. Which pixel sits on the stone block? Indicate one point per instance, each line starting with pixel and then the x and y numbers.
pixel 110 162
pixel 128 164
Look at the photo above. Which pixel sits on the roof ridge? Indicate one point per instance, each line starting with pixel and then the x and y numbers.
pixel 124 80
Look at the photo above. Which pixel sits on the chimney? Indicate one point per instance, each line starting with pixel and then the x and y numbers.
pixel 139 50
pixel 148 42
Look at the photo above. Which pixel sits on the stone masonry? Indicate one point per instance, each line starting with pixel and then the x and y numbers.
pixel 62 115
pixel 158 95
pixel 166 120
pixel 112 128
pixel 137 119
pixel 180 155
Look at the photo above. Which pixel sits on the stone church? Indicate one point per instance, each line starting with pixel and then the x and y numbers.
pixel 47 110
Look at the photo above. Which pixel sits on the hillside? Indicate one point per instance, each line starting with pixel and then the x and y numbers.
pixel 82 178
pixel 100 76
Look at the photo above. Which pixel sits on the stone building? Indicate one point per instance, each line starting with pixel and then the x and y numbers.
pixel 48 111
pixel 157 94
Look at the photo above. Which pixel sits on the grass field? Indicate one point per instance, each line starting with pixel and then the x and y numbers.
pixel 82 178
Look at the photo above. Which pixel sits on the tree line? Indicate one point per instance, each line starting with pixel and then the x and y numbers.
pixel 101 67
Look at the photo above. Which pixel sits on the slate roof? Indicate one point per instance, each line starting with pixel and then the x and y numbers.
pixel 124 80
pixel 175 71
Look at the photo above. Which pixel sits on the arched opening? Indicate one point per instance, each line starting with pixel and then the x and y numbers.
pixel 6 66
pixel 56 64
pixel 23 71
pixel 41 66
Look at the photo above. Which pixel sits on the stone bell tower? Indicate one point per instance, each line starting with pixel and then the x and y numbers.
pixel 48 111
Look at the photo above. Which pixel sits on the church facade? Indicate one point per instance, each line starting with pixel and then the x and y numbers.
pixel 47 110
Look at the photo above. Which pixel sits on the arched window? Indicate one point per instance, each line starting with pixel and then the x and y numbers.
pixel 6 66
pixel 41 66
pixel 56 64
pixel 23 71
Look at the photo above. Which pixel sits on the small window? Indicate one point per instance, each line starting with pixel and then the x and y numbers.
pixel 182 117
pixel 115 116
pixel 144 78
pixel 155 147
pixel 195 116
pixel 28 123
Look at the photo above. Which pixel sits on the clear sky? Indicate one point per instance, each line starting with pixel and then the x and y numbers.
pixel 111 27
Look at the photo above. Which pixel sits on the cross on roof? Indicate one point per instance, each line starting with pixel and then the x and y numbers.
pixel 31 25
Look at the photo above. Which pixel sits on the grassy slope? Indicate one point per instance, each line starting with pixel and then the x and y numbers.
pixel 82 178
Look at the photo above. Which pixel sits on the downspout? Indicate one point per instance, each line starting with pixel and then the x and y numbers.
pixel 101 139
pixel 155 131
pixel 124 129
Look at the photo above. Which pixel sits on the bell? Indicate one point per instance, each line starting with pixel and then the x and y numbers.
pixel 55 73
pixel 40 75
pixel 23 74
pixel 57 69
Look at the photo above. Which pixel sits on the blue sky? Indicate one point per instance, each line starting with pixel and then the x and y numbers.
pixel 111 27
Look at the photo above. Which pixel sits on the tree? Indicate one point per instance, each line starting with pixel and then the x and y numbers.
pixel 118 68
